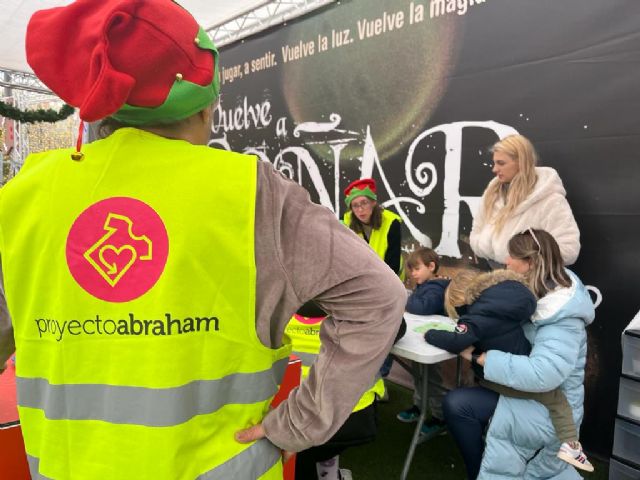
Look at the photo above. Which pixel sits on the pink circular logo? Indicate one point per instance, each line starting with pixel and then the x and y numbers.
pixel 308 320
pixel 117 249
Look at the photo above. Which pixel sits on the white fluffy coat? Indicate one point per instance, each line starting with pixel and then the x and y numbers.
pixel 545 208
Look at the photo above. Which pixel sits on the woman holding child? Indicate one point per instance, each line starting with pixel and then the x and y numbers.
pixel 521 441
pixel 522 196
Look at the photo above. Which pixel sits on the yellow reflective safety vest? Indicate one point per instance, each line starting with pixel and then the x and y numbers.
pixel 378 240
pixel 304 334
pixel 130 279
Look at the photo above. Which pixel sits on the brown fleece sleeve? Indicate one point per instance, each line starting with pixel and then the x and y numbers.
pixel 303 252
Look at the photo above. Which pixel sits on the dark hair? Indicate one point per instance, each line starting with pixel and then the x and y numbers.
pixel 109 125
pixel 425 256
pixel 541 250
pixel 375 223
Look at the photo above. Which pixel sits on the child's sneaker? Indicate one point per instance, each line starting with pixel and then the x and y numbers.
pixel 433 427
pixel 571 452
pixel 345 474
pixel 409 415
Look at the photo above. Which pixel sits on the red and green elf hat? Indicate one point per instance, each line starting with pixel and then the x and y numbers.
pixel 365 187
pixel 139 61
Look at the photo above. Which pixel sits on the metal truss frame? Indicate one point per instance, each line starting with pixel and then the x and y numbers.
pixel 22 81
pixel 270 14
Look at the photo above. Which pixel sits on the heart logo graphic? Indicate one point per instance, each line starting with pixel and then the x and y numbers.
pixel 118 261
pixel 117 249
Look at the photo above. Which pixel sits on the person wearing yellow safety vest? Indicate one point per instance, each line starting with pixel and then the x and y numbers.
pixel 147 279
pixel 379 227
pixel 322 461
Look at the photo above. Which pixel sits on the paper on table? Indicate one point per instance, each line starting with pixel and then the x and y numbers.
pixel 422 329
pixel 413 346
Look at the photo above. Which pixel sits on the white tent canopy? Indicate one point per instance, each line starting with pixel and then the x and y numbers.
pixel 15 14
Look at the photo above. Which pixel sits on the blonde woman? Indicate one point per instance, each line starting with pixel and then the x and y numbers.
pixel 522 196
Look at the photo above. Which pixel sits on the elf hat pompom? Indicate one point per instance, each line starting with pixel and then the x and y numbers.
pixel 141 61
pixel 365 187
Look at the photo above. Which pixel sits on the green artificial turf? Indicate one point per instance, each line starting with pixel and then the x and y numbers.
pixel 435 459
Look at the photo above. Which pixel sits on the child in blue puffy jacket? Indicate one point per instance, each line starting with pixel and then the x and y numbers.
pixel 428 296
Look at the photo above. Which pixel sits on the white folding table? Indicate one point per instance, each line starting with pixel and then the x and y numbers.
pixel 413 347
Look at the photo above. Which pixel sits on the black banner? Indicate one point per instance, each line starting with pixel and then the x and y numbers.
pixel 414 92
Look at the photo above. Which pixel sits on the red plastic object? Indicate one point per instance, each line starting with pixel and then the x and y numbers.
pixel 13 459
pixel 291 379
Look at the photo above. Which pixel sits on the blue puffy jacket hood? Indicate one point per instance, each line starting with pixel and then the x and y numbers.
pixel 572 302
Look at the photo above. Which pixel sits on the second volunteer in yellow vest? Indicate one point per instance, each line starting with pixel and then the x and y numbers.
pixel 322 461
pixel 304 335
pixel 379 227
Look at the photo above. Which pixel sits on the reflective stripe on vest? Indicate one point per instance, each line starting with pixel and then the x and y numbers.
pixel 253 462
pixel 304 334
pixel 146 406
pixel 307 359
pixel 150 386
pixel 34 464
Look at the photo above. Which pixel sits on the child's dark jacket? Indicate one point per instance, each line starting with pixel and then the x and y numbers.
pixel 428 298
pixel 497 304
